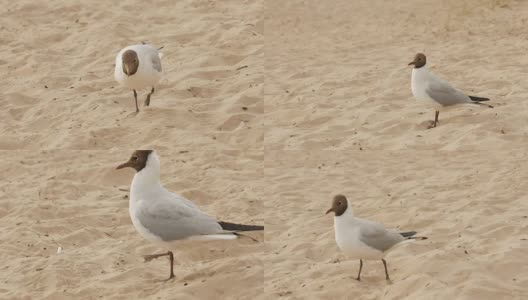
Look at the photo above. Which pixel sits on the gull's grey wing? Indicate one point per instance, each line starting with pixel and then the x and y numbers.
pixel 376 236
pixel 444 94
pixel 156 61
pixel 179 199
pixel 171 220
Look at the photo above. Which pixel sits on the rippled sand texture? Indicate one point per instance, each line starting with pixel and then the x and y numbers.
pixel 78 201
pixel 472 206
pixel 337 79
pixel 337 75
pixel 58 88
pixel 323 87
pixel 69 124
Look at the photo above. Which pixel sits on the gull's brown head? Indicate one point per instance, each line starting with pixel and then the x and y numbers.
pixel 137 161
pixel 339 205
pixel 419 61
pixel 130 62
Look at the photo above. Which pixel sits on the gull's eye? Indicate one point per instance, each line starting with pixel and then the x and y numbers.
pixel 134 158
pixel 339 203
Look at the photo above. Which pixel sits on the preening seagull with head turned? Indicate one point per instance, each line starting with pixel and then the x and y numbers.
pixel 435 91
pixel 363 239
pixel 164 217
pixel 138 67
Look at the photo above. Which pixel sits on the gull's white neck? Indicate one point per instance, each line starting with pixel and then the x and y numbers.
pixel 347 231
pixel 420 80
pixel 422 70
pixel 346 217
pixel 147 180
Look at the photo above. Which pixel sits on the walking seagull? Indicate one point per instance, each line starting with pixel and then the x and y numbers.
pixel 363 239
pixel 163 217
pixel 138 67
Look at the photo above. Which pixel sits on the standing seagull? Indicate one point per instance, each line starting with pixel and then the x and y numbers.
pixel 138 67
pixel 363 239
pixel 432 89
pixel 163 217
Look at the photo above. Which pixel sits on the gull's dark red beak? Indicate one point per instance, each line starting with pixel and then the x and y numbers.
pixel 128 164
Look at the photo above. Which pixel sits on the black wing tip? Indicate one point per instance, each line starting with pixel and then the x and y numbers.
pixel 408 233
pixel 240 227
pixel 478 99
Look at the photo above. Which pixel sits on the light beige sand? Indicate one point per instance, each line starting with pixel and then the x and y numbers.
pixel 470 202
pixel 58 93
pixel 337 79
pixel 71 49
pixel 73 199
pixel 333 82
pixel 337 75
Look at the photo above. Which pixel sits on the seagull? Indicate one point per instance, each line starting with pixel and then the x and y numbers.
pixel 432 89
pixel 363 239
pixel 138 67
pixel 163 217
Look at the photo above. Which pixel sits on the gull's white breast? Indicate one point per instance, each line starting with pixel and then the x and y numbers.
pixel 420 79
pixel 347 238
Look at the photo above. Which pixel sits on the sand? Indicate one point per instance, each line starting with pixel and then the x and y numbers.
pixel 267 109
pixel 337 75
pixel 59 91
pixel 471 206
pixel 67 125
pixel 78 201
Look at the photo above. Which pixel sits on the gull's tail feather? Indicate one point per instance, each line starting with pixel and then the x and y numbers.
pixel 478 99
pixel 408 233
pixel 239 227
pixel 148 42
pixel 410 236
